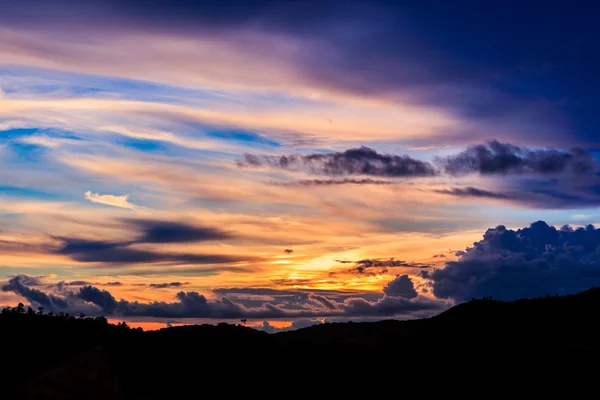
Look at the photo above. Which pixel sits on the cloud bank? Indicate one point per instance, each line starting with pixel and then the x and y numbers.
pixel 398 300
pixel 529 262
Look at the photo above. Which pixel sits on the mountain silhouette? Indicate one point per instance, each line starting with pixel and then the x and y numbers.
pixel 65 357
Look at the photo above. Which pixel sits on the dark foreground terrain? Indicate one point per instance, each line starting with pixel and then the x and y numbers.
pixel 481 347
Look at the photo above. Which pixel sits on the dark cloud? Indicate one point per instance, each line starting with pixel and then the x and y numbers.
pixel 401 286
pixel 148 232
pixel 473 192
pixel 166 285
pixel 71 246
pixel 495 158
pixel 122 252
pixel 114 283
pixel 101 298
pixel 157 231
pixel 547 178
pixel 377 266
pixel 539 178
pixel 332 182
pixel 424 274
pixel 18 285
pixel 76 283
pixel 528 262
pixel 439 256
pixel 358 161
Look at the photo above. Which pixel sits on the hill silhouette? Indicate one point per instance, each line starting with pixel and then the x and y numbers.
pixel 67 357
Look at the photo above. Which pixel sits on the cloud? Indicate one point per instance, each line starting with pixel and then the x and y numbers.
pixel 528 262
pixel 490 159
pixel 309 305
pixel 322 300
pixel 378 266
pixel 425 274
pixel 110 200
pixel 76 283
pixel 148 232
pixel 114 283
pixel 358 161
pixel 333 182
pixel 495 158
pixel 473 192
pixel 552 194
pixel 96 251
pixel 28 280
pixel 401 286
pixel 18 285
pixel 157 231
pixel 166 285
pixel 101 298
pixel 391 305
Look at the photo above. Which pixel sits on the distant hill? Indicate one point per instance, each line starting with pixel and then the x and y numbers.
pixel 63 357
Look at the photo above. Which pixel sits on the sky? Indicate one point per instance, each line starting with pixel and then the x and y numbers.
pixel 291 163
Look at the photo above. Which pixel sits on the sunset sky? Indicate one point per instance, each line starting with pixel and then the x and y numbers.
pixel 294 162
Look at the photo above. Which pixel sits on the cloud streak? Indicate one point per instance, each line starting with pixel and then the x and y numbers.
pixel 378 266
pixel 157 231
pixel 473 192
pixel 166 285
pixel 333 182
pixel 95 251
pixel 148 232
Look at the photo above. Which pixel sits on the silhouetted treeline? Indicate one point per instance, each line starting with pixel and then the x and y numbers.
pixel 63 356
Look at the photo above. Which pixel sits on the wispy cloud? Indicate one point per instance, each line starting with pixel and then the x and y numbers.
pixel 111 200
